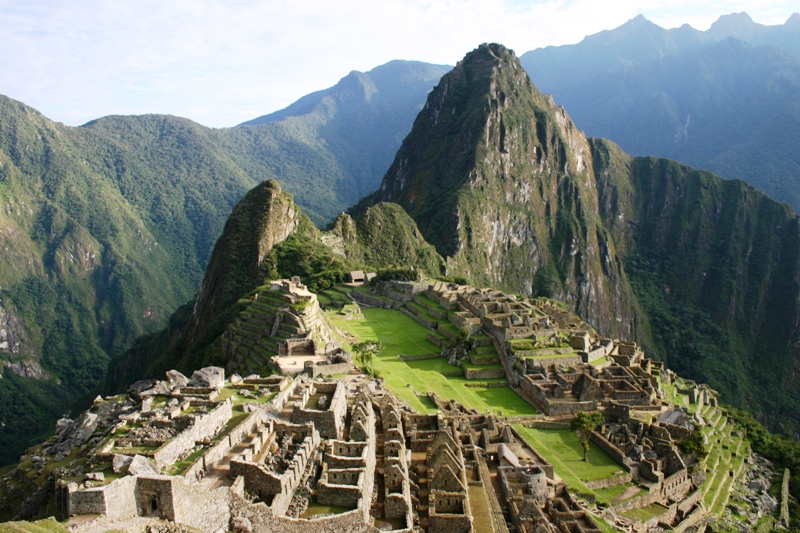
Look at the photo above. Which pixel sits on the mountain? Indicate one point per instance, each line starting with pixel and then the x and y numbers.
pixel 723 100
pixel 108 228
pixel 268 237
pixel 704 272
pixel 354 127
pixel 496 175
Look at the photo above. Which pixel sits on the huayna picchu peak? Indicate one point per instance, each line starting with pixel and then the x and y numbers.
pixel 522 330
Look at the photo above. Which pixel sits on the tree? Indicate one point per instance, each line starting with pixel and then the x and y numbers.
pixel 584 423
pixel 367 351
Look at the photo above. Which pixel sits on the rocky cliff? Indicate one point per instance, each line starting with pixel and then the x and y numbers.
pixel 703 271
pixel 501 181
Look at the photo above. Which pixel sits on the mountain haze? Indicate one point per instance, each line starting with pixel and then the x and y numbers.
pixel 723 100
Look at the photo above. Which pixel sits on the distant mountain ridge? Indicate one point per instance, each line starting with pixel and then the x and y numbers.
pixel 724 99
pixel 359 123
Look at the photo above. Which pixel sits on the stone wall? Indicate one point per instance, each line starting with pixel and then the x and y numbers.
pixel 263 520
pixel 532 362
pixel 280 486
pixel 642 500
pixel 419 357
pixel 206 510
pixel 449 513
pixel 547 424
pixel 395 506
pixel 329 369
pixel 374 301
pixel 610 481
pixel 217 452
pixel 615 453
pixel 479 373
pixel 330 422
pixel 114 500
pixel 435 339
pixel 205 426
pixel 423 321
pixel 275 405
pixel 341 488
pixel 676 484
pixel 553 407
pixel 667 518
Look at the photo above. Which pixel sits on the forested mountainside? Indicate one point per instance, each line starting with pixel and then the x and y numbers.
pixel 268 237
pixel 704 271
pixel 108 227
pixel 724 100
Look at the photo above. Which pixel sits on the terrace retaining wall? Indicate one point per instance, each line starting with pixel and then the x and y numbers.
pixel 204 427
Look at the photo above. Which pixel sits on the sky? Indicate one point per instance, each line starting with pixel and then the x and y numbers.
pixel 222 62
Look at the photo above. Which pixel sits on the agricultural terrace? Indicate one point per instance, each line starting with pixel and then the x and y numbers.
pixel 402 335
pixel 563 449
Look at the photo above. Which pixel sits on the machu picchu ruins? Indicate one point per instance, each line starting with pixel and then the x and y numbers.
pixel 315 444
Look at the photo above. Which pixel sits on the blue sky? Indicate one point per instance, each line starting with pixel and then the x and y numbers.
pixel 221 62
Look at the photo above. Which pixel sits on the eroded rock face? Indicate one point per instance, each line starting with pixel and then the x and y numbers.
pixel 27 368
pixel 75 434
pixel 176 379
pixel 142 466
pixel 210 376
pixel 120 463
pixel 13 338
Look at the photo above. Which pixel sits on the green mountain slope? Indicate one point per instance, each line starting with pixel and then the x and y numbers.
pixel 268 237
pixel 83 273
pixel 723 100
pixel 353 129
pixel 499 180
pixel 108 228
pixel 704 271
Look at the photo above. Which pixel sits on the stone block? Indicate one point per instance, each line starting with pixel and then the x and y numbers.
pixel 210 376
pixel 142 466
pixel 120 462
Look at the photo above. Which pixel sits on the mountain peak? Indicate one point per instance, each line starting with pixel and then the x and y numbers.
pixel 493 165
pixel 793 20
pixel 732 25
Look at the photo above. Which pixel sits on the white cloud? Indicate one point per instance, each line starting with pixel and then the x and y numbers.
pixel 223 62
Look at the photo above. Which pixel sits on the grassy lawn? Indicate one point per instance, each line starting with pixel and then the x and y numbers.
pixel 563 449
pixel 646 513
pixel 402 335
pixel 607 495
pixel 41 526
pixel 317 509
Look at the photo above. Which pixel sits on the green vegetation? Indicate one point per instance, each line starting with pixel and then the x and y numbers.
pixel 366 352
pixel 646 513
pixel 400 334
pixel 564 450
pixel 583 424
pixel 49 525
